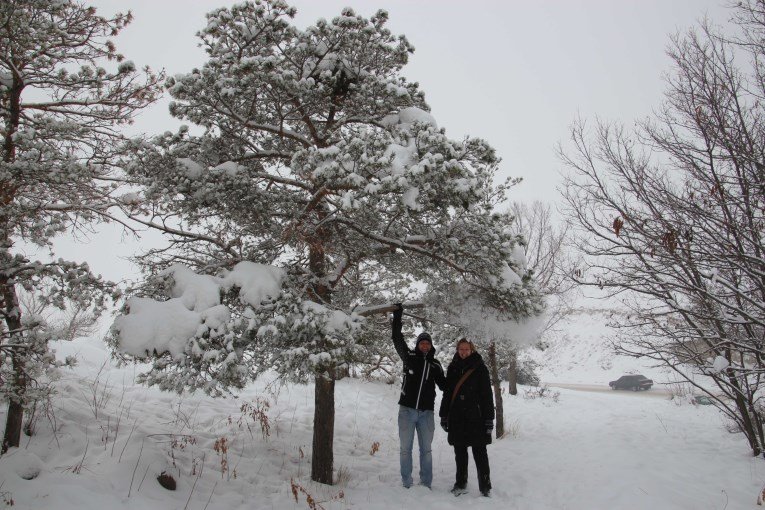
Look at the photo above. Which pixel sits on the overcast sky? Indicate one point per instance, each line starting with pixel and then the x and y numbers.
pixel 514 72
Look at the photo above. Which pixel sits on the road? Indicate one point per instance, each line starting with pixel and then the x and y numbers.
pixel 604 388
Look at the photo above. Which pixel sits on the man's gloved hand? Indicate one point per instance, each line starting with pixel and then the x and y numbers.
pixel 489 426
pixel 399 311
pixel 445 424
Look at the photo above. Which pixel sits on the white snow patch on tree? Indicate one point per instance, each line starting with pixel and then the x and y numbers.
pixel 409 116
pixel 720 364
pixel 508 277
pixel 194 311
pixel 486 324
pixel 402 158
pixel 409 198
pixel 464 185
pixel 256 282
pixel 196 292
pixel 229 168
pixel 193 169
pixel 336 321
pixel 156 326
pixel 131 198
pixel 127 66
pixel 518 257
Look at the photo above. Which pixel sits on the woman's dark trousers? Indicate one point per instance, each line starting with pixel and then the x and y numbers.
pixel 481 458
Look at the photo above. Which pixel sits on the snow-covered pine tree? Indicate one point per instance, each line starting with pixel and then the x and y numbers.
pixel 60 115
pixel 318 157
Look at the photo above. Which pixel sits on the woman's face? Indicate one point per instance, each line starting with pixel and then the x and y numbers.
pixel 463 350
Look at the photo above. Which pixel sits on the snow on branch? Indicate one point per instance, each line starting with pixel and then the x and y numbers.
pixel 153 327
pixel 366 311
pixel 218 332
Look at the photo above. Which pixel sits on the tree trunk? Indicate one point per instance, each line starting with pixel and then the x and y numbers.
pixel 495 383
pixel 322 456
pixel 12 436
pixel 745 419
pixel 12 312
pixel 10 302
pixel 757 417
pixel 512 374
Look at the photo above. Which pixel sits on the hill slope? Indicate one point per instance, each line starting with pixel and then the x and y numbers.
pixel 579 350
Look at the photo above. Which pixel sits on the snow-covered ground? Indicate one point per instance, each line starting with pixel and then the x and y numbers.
pixel 574 450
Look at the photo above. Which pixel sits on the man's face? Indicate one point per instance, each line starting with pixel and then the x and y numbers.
pixel 424 346
pixel 463 350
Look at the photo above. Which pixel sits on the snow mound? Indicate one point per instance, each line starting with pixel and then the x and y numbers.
pixel 23 463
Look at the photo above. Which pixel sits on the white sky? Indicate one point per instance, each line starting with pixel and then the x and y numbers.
pixel 515 72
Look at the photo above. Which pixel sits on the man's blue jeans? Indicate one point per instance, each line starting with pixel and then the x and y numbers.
pixel 410 420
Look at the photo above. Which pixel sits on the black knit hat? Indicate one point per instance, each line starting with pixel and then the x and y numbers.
pixel 424 337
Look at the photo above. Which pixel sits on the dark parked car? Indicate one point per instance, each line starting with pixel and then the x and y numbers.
pixel 631 382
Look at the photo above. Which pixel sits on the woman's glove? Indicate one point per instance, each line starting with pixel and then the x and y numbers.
pixel 444 424
pixel 489 426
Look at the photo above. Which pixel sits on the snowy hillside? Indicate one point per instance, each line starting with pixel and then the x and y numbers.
pixel 574 450
pixel 579 350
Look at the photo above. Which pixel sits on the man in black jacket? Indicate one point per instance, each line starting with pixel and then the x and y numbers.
pixel 422 372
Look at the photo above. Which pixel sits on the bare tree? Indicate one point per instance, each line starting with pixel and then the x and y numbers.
pixel 546 256
pixel 545 245
pixel 671 217
pixel 66 321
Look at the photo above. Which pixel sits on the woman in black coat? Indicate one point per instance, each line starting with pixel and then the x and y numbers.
pixel 467 414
